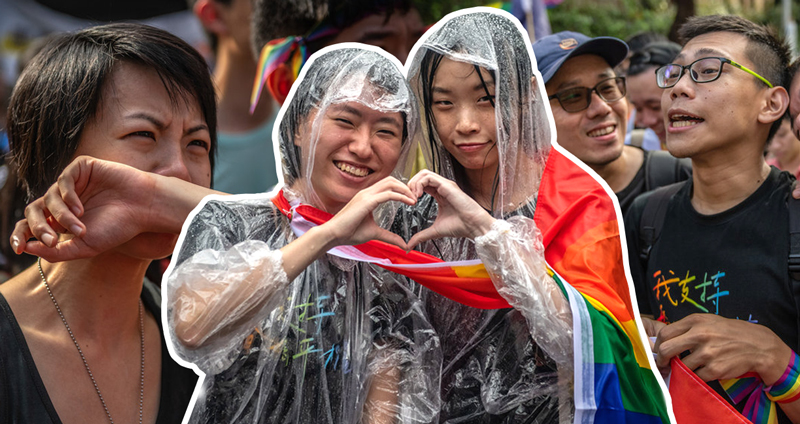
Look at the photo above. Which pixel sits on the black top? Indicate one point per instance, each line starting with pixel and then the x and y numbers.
pixel 732 264
pixel 657 170
pixel 313 351
pixel 24 399
pixel 492 370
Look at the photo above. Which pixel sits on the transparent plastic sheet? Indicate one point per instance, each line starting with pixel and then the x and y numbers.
pixel 514 364
pixel 491 41
pixel 514 256
pixel 358 76
pixel 343 342
pixel 495 365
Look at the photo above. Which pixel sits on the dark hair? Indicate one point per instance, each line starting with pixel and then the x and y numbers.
pixel 59 92
pixel 791 73
pixel 300 17
pixel 429 65
pixel 655 54
pixel 641 39
pixel 507 44
pixel 313 88
pixel 769 52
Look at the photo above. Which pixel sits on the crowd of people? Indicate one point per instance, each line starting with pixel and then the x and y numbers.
pixel 319 274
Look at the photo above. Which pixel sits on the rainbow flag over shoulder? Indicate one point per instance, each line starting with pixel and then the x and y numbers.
pixel 613 380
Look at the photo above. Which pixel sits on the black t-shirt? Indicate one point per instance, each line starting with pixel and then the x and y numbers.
pixel 24 399
pixel 633 189
pixel 732 264
pixel 492 370
pixel 670 170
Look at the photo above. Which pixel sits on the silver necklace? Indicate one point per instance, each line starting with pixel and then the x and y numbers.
pixel 80 352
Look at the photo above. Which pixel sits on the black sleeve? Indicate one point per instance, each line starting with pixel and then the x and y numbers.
pixel 684 170
pixel 638 268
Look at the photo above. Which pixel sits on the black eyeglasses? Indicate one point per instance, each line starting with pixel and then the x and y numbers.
pixel 579 98
pixel 702 70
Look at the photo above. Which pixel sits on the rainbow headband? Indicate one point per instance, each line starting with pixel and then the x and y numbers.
pixel 292 51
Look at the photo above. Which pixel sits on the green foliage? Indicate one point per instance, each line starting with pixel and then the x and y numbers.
pixel 616 18
pixel 432 11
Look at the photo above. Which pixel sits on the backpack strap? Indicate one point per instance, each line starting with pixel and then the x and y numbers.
pixel 655 210
pixel 661 168
pixel 794 254
pixel 637 137
pixel 794 238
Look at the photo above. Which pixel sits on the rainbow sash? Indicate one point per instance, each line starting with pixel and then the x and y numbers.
pixel 578 220
pixel 613 379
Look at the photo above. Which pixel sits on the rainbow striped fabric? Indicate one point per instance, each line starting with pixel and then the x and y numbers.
pixel 290 51
pixel 613 379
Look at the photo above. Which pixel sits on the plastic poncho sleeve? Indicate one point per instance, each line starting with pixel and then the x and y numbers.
pixel 218 295
pixel 514 257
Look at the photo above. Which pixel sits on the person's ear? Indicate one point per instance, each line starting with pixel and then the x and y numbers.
pixel 280 82
pixel 210 16
pixel 774 105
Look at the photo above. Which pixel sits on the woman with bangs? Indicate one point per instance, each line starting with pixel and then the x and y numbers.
pixel 489 133
pixel 283 331
pixel 82 339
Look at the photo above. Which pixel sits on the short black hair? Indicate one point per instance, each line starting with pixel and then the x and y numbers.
pixel 641 39
pixel 273 19
pixel 791 73
pixel 59 92
pixel 769 52
pixel 656 54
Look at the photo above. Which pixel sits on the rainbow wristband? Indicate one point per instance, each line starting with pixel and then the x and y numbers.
pixel 787 388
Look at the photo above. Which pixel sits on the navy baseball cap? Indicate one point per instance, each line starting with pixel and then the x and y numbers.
pixel 552 51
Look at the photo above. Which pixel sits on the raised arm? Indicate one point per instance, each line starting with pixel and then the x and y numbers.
pixel 231 273
pixel 96 205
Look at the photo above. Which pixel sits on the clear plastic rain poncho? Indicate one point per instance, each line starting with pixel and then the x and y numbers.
pixel 513 364
pixel 344 342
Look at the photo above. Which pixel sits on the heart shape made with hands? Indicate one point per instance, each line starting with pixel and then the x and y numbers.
pixel 459 215
pixel 466 282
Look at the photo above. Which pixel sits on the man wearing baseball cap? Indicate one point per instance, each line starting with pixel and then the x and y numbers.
pixel 590 113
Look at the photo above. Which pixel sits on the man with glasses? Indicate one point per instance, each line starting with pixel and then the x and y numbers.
pixel 590 113
pixel 714 269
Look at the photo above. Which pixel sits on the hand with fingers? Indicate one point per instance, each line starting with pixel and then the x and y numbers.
pixel 100 205
pixel 651 329
pixel 722 348
pixel 459 215
pixel 354 223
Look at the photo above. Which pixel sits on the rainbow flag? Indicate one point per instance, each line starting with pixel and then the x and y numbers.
pixel 290 51
pixel 466 282
pixel 287 50
pixel 694 402
pixel 613 379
